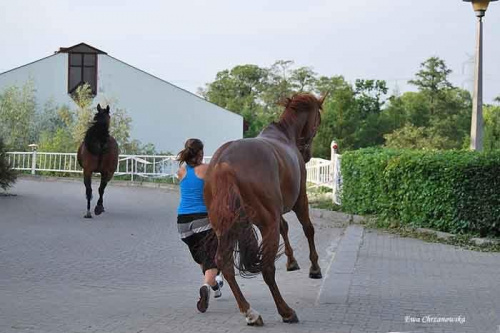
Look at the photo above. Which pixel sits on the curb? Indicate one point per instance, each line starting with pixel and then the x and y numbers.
pixel 445 235
pixel 338 277
pixel 348 219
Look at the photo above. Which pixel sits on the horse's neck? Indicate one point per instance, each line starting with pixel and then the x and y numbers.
pixel 289 128
pixel 98 132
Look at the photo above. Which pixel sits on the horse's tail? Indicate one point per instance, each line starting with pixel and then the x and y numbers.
pixel 232 223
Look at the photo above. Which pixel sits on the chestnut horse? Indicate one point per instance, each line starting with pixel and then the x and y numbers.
pixel 253 182
pixel 98 153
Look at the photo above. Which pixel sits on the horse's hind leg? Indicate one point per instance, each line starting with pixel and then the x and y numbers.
pixel 270 244
pixel 291 263
pixel 99 208
pixel 225 263
pixel 301 209
pixel 87 180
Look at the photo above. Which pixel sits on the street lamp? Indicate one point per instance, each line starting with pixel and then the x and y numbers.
pixel 476 132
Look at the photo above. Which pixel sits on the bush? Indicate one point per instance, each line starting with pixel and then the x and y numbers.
pixel 453 191
pixel 7 175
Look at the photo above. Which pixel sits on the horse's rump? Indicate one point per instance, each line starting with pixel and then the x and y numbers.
pixel 232 223
pixel 232 215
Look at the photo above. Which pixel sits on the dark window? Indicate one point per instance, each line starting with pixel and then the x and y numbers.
pixel 82 69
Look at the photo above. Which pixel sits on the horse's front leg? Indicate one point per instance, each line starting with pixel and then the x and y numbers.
pixel 301 209
pixel 99 208
pixel 87 180
pixel 291 263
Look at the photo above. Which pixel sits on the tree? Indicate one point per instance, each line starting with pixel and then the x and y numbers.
pixel 412 137
pixel 432 79
pixel 278 86
pixel 339 117
pixel 7 174
pixel 83 98
pixel 303 79
pixel 491 128
pixel 17 115
pixel 368 96
pixel 240 90
pixel 236 89
pixel 433 76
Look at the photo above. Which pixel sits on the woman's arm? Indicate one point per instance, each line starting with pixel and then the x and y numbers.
pixel 201 170
pixel 181 172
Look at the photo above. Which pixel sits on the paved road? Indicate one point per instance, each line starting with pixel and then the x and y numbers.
pixel 127 271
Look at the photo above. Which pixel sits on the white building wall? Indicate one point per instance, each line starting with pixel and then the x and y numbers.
pixel 162 113
pixel 49 75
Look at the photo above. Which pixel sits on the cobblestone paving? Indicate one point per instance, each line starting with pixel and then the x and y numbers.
pixel 127 271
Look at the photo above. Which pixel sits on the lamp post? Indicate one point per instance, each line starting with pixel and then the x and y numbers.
pixel 476 132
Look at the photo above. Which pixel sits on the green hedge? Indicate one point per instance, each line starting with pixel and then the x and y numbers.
pixel 453 191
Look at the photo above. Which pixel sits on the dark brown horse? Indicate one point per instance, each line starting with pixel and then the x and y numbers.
pixel 98 153
pixel 253 182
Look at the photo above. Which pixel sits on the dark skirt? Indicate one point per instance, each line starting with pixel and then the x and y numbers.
pixel 196 232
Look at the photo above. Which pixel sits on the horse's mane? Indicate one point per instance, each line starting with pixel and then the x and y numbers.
pixel 300 102
pixel 97 135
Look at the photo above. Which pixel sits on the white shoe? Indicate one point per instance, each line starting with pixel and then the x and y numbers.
pixel 220 280
pixel 220 283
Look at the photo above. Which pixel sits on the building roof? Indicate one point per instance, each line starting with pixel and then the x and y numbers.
pixel 80 48
pixel 86 48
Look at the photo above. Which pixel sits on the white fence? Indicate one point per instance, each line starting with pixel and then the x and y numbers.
pixel 146 166
pixel 326 173
pixel 320 172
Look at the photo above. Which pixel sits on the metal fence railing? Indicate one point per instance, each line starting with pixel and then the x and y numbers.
pixel 146 166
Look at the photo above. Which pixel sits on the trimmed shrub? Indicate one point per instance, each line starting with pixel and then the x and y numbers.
pixel 453 191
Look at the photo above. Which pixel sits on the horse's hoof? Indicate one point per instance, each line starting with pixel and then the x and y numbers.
pixel 258 322
pixel 293 266
pixel 88 215
pixel 291 320
pixel 98 210
pixel 315 274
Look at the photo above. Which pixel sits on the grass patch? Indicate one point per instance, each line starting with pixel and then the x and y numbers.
pixel 321 197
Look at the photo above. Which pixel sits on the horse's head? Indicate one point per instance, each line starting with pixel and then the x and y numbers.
pixel 306 108
pixel 102 115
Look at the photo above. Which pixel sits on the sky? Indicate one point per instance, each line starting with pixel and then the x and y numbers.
pixel 187 42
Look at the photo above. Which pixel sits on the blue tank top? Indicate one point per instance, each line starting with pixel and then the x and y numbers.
pixel 191 193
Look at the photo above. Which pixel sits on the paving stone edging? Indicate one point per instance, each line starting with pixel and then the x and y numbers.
pixel 347 219
pixel 446 235
pixel 338 276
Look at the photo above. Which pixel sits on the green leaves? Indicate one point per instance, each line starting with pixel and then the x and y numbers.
pixel 17 112
pixel 7 175
pixel 453 191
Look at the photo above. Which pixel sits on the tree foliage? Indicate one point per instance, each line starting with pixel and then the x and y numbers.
pixel 491 140
pixel 7 175
pixel 17 113
pixel 356 115
pixel 59 128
